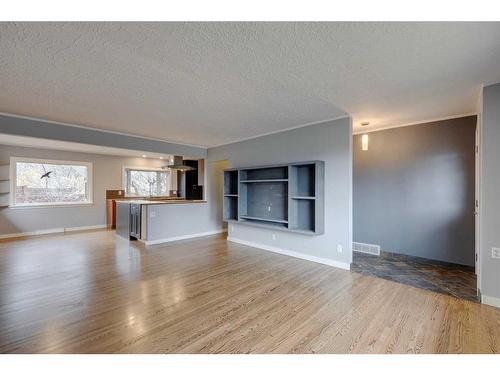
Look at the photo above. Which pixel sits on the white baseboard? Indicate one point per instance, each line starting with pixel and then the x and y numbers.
pixel 33 233
pixel 492 301
pixel 87 227
pixel 312 258
pixel 51 231
pixel 184 237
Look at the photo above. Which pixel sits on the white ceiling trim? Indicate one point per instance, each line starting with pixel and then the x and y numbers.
pixel 50 144
pixel 363 131
pixel 284 130
pixel 150 138
pixel 99 130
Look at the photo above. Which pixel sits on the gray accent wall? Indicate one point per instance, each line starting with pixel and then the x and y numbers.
pixel 50 130
pixel 490 193
pixel 331 142
pixel 413 190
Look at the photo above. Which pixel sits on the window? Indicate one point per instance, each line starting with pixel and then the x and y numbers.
pixel 147 182
pixel 39 182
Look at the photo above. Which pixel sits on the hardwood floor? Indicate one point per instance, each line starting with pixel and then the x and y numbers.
pixel 91 292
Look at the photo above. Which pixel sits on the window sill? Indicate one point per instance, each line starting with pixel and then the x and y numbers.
pixel 70 205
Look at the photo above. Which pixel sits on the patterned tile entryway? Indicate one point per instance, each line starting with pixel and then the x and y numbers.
pixel 447 278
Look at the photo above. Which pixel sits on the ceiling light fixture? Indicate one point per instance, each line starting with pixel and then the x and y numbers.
pixel 365 123
pixel 364 142
pixel 161 157
pixel 143 156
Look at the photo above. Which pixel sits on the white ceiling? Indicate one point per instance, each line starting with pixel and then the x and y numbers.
pixel 214 83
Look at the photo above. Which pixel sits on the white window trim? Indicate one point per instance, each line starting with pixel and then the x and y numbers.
pixel 139 168
pixel 13 177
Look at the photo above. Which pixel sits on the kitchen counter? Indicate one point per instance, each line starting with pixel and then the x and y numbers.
pixel 152 201
pixel 154 221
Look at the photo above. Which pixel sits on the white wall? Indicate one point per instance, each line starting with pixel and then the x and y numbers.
pixel 331 142
pixel 107 172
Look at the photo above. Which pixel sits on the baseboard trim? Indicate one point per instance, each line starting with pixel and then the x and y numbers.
pixel 184 237
pixel 51 231
pixel 291 253
pixel 87 227
pixel 491 301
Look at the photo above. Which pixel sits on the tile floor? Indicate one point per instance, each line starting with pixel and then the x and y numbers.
pixel 441 277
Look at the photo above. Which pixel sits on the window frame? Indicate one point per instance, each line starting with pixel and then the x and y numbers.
pixel 125 179
pixel 13 182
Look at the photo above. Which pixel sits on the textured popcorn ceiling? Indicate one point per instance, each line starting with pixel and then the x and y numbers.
pixel 214 83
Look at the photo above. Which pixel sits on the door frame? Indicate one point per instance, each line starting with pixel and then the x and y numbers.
pixel 477 202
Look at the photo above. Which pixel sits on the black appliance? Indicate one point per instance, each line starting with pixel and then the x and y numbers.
pixel 193 190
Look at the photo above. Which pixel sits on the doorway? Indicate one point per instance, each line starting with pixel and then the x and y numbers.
pixel 414 198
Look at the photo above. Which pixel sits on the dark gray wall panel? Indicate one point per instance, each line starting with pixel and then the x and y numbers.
pixel 413 190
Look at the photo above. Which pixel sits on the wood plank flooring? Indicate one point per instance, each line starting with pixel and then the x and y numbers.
pixel 92 292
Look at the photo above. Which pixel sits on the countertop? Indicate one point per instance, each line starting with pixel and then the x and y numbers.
pixel 151 202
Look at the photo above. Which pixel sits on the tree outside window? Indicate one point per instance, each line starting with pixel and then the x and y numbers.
pixel 147 183
pixel 40 182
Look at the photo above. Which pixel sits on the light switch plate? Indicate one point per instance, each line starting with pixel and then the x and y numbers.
pixel 495 252
pixel 152 214
pixel 339 248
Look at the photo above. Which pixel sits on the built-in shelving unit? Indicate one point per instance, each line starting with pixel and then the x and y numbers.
pixel 231 195
pixel 4 185
pixel 285 197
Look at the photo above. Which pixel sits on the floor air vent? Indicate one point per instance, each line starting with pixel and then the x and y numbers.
pixel 366 248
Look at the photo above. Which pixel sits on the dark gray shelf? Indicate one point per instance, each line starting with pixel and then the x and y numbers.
pixel 263 219
pixel 286 197
pixel 231 182
pixel 274 226
pixel 263 181
pixel 264 173
pixel 231 208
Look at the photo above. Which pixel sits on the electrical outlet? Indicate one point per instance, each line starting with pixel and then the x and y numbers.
pixel 495 252
pixel 231 228
pixel 274 236
pixel 269 208
pixel 339 248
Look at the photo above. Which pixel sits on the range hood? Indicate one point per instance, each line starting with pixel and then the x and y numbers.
pixel 179 165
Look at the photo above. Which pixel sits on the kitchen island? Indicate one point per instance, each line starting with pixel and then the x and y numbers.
pixel 159 221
